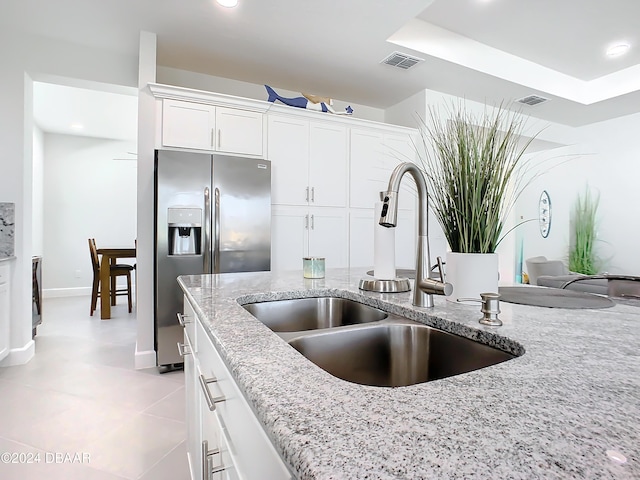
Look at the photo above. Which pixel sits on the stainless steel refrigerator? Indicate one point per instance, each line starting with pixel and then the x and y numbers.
pixel 212 215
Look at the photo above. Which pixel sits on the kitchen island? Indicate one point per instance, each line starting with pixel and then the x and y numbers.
pixel 569 407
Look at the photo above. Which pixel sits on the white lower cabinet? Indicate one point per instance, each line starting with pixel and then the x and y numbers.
pixel 225 439
pixel 298 232
pixel 4 311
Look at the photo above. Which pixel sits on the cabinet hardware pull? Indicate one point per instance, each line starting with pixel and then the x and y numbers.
pixel 313 194
pixel 182 319
pixel 212 138
pixel 218 468
pixel 211 400
pixel 306 195
pixel 207 454
pixel 182 349
pixel 312 223
pixel 219 139
pixel 306 222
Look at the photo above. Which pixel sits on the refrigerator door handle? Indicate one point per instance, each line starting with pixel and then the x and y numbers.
pixel 216 233
pixel 206 268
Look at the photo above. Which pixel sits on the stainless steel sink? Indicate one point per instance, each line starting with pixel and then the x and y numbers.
pixel 395 354
pixel 313 313
pixel 365 345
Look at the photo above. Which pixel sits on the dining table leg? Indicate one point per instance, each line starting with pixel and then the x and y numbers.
pixel 105 288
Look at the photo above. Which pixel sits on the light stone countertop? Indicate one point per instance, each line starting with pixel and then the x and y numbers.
pixel 553 412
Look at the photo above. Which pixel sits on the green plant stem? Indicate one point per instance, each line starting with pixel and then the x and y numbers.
pixel 475 172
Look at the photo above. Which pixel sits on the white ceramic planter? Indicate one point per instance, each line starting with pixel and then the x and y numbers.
pixel 471 274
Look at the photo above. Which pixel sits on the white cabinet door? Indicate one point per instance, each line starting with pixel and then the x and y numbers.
pixel 298 232
pixel 238 131
pixel 398 148
pixel 193 413
pixel 288 150
pixel 368 173
pixel 328 236
pixel 4 311
pixel 188 125
pixel 206 127
pixel 328 165
pixel 361 231
pixel 373 156
pixel 289 237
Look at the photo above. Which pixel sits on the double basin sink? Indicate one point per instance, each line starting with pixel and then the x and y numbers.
pixel 362 344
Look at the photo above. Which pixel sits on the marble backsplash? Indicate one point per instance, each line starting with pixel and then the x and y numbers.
pixel 7 229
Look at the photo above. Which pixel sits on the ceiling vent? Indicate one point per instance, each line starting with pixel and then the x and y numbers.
pixel 532 100
pixel 401 60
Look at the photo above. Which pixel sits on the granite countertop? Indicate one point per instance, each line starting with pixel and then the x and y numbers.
pixel 561 410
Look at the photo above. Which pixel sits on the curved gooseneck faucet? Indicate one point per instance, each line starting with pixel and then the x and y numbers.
pixel 424 287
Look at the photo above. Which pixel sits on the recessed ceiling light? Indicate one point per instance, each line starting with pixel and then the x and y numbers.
pixel 228 3
pixel 77 126
pixel 618 49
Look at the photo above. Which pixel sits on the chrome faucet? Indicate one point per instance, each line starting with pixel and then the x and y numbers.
pixel 424 287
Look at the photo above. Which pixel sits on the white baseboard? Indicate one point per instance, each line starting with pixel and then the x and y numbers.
pixel 19 356
pixel 145 359
pixel 66 292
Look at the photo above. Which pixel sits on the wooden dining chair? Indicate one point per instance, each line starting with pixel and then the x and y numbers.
pixel 117 270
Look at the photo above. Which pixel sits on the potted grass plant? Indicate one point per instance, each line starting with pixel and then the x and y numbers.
pixel 582 255
pixel 475 170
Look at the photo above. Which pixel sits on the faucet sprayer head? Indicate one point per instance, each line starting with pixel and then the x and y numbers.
pixel 389 213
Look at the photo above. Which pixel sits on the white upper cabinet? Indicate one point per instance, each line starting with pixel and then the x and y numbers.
pixel 374 154
pixel 288 150
pixel 309 162
pixel 238 131
pixel 188 125
pixel 206 127
pixel 328 165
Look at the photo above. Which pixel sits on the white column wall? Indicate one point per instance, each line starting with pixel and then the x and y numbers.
pixel 37 219
pixel 145 349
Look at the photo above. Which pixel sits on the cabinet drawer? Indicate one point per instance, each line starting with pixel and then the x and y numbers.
pixel 248 448
pixel 189 320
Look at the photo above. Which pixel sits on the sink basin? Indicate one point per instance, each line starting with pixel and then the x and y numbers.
pixel 395 354
pixel 313 313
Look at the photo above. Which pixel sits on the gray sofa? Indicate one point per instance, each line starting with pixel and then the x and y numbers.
pixel 553 273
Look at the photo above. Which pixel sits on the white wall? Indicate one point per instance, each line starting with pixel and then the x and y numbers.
pixel 90 194
pixel 605 158
pixel 199 81
pixel 549 143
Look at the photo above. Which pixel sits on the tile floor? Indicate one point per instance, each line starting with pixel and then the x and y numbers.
pixel 79 410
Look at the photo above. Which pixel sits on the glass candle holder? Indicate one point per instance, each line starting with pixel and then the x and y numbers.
pixel 313 267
